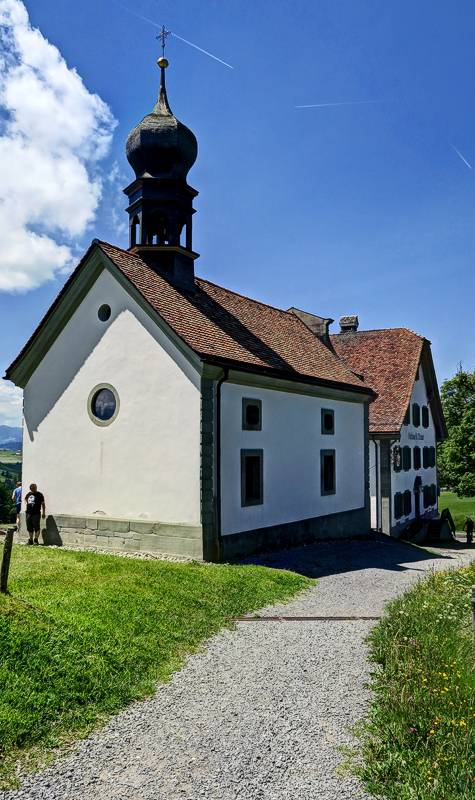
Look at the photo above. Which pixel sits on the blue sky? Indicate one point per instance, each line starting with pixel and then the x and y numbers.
pixel 363 209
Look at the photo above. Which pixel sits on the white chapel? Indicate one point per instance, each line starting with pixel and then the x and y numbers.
pixel 165 413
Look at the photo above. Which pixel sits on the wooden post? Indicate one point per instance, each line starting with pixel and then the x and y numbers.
pixel 7 551
pixel 473 606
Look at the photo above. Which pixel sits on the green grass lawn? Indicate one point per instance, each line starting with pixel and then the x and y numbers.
pixel 10 457
pixel 419 742
pixel 459 507
pixel 82 635
pixel 10 467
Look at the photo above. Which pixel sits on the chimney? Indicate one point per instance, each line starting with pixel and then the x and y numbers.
pixel 318 325
pixel 349 324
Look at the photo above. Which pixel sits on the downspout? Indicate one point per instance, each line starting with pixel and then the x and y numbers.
pixel 377 480
pixel 219 537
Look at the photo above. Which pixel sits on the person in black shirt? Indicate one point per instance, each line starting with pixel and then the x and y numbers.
pixel 35 509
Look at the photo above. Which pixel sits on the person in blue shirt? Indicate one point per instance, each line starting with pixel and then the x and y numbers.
pixel 16 497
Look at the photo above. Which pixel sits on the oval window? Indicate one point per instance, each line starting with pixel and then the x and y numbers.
pixel 103 404
pixel 104 312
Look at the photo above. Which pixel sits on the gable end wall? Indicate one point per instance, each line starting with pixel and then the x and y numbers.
pixel 144 466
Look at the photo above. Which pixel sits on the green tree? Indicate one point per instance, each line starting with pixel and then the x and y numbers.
pixel 7 509
pixel 457 453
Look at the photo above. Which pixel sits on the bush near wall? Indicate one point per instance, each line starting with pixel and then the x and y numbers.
pixel 7 509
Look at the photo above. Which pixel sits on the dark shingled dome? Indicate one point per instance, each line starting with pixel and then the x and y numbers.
pixel 160 146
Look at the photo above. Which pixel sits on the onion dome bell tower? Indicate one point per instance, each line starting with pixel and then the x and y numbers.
pixel 161 151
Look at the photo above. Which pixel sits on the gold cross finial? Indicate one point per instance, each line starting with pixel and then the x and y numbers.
pixel 163 38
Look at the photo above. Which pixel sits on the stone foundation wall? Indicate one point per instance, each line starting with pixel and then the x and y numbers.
pixel 344 525
pixel 186 540
pixel 121 534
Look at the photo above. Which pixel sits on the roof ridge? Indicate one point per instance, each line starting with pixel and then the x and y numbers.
pixel 380 330
pixel 246 297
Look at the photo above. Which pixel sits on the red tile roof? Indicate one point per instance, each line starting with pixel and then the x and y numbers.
pixel 388 360
pixel 223 325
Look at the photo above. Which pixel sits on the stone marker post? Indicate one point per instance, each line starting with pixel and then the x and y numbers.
pixel 7 552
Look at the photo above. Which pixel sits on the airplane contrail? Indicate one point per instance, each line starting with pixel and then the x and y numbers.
pixel 344 103
pixel 201 50
pixel 139 16
pixel 467 163
pixel 155 25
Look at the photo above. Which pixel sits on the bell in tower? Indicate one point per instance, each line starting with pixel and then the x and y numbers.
pixel 161 151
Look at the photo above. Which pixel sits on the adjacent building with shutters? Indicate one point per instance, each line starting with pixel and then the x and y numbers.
pixel 405 421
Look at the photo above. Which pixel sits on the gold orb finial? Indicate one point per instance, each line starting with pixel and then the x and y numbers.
pixel 162 62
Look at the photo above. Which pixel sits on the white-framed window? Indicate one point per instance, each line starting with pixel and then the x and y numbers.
pixel 251 414
pixel 328 422
pixel 252 477
pixel 327 472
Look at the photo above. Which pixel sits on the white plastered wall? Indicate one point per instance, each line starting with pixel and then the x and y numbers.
pixel 146 464
pixel 291 439
pixel 412 437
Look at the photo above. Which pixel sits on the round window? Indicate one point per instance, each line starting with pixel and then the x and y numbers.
pixel 103 404
pixel 104 312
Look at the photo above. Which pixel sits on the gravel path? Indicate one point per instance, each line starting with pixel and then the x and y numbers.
pixel 260 713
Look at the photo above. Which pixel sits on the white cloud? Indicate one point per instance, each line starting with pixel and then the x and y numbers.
pixel 53 133
pixel 116 179
pixel 11 404
pixel 118 223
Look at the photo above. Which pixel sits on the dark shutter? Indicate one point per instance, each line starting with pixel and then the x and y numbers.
pixel 425 457
pixel 398 505
pixel 417 457
pixel 425 417
pixel 416 415
pixel 430 495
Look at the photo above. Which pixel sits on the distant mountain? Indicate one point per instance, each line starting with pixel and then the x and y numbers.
pixel 10 438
